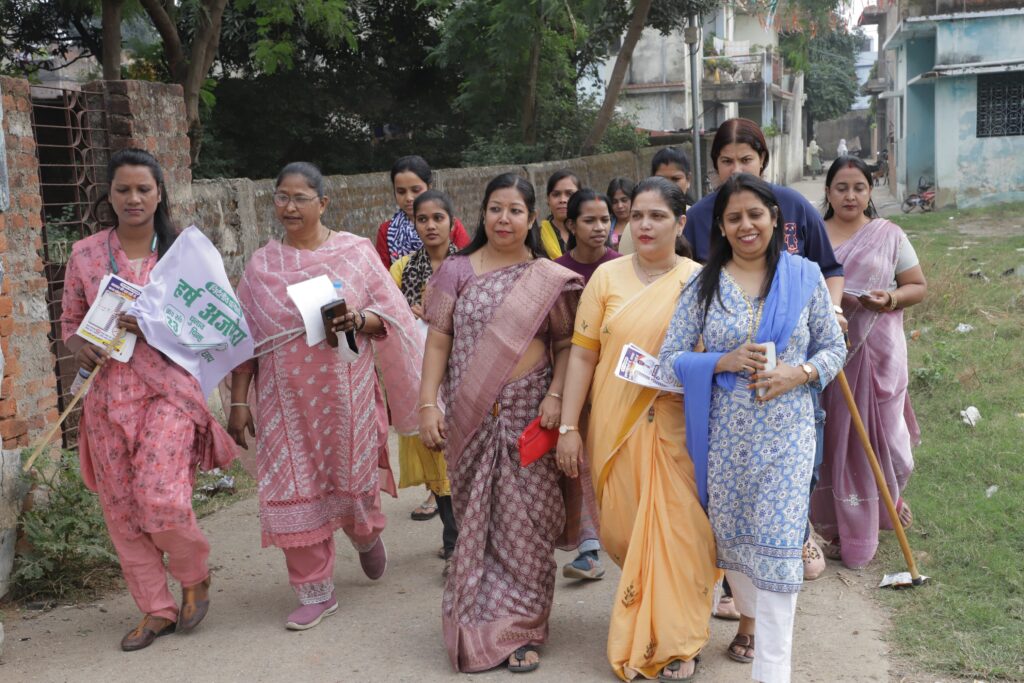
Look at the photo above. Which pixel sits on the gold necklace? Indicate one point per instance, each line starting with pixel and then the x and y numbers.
pixel 651 277
pixel 754 322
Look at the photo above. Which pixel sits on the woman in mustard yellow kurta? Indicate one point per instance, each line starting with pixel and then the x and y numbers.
pixel 651 521
pixel 418 465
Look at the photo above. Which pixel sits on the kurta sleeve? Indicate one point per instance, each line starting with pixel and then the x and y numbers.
pixel 826 350
pixel 683 331
pixel 244 292
pixel 460 238
pixel 590 314
pixel 440 295
pixel 382 244
pixel 74 304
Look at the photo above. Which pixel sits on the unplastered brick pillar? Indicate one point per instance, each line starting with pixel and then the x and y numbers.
pixel 151 116
pixel 28 395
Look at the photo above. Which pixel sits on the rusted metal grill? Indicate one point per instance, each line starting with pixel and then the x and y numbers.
pixel 69 126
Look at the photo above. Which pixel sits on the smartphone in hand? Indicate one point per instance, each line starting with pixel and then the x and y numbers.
pixel 771 362
pixel 328 312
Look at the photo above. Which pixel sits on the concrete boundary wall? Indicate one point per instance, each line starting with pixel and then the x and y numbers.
pixel 238 214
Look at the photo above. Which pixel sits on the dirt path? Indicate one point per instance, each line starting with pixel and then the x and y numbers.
pixel 390 630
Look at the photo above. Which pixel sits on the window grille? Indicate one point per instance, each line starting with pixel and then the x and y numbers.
pixel 1000 105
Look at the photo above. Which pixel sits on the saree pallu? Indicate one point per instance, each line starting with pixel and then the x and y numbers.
pixel 846 502
pixel 651 521
pixel 499 591
pixel 321 423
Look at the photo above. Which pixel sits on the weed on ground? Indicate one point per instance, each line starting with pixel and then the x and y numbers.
pixel 967 490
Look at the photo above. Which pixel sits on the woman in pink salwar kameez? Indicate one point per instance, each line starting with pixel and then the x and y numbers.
pixel 500 327
pixel 883 277
pixel 145 427
pixel 320 419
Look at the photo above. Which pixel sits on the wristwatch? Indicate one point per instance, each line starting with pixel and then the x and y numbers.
pixel 565 429
pixel 808 370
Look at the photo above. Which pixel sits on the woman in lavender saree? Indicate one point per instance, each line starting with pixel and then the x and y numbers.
pixel 500 327
pixel 883 277
pixel 320 417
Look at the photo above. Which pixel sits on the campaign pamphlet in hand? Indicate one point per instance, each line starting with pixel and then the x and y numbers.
pixel 99 327
pixel 639 367
pixel 189 311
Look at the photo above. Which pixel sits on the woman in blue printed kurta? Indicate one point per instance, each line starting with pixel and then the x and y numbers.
pixel 757 452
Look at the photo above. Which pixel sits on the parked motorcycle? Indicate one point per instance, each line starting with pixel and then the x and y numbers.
pixel 923 199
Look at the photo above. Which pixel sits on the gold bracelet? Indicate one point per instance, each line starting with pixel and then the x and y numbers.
pixel 553 395
pixel 427 405
pixel 239 405
pixel 893 301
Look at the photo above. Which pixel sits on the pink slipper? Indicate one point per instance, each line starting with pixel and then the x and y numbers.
pixel 375 560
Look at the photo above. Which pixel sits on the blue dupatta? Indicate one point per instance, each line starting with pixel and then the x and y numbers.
pixel 795 280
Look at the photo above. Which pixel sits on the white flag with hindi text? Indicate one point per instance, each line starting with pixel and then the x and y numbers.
pixel 189 312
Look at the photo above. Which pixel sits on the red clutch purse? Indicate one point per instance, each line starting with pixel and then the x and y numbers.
pixel 535 441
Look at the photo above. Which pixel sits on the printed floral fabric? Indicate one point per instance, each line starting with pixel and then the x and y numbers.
pixel 761 456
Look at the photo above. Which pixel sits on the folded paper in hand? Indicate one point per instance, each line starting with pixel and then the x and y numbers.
pixel 639 367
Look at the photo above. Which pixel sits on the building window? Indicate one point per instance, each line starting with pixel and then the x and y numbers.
pixel 1001 105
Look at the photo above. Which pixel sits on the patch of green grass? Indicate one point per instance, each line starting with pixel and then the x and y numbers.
pixel 969 621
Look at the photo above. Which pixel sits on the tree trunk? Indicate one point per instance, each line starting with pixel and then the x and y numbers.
pixel 604 117
pixel 529 122
pixel 111 28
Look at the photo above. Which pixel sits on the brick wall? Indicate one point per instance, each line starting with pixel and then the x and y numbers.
pixel 151 116
pixel 28 399
pixel 238 214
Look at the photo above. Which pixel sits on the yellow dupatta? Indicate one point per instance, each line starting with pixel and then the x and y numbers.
pixel 643 320
pixel 549 240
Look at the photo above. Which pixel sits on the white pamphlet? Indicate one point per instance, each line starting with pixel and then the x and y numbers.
pixel 309 296
pixel 99 327
pixel 639 367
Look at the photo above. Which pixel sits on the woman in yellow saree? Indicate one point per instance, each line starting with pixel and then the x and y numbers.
pixel 651 521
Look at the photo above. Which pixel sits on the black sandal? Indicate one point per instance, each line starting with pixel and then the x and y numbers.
pixel 520 655
pixel 674 667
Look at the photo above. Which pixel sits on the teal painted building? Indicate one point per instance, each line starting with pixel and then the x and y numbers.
pixel 957 101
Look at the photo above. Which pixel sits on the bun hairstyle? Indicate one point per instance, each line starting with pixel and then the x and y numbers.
pixel 740 132
pixel 721 249
pixel 525 190
pixel 838 165
pixel 676 200
pixel 165 230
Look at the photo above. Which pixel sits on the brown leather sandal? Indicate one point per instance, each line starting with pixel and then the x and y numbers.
pixel 195 602
pixel 744 641
pixel 148 630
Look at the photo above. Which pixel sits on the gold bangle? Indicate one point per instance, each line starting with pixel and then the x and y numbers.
pixel 427 405
pixel 893 301
pixel 239 405
pixel 553 395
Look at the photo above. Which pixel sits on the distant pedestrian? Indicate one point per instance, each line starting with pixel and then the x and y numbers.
pixel 145 427
pixel 551 233
pixel 750 430
pixel 883 277
pixel 619 192
pixel 813 159
pixel 672 164
pixel 318 412
pixel 500 320
pixel 841 149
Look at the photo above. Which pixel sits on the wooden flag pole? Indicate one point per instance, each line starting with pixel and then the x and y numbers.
pixel 883 487
pixel 41 443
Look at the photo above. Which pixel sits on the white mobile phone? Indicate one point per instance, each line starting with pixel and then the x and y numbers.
pixel 770 363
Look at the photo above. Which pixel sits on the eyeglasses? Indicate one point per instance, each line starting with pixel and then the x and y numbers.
pixel 301 201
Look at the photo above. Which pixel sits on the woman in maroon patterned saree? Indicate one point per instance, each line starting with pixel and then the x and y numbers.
pixel 498 316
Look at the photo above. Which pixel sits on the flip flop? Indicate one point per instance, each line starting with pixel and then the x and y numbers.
pixel 520 655
pixel 674 666
pixel 424 512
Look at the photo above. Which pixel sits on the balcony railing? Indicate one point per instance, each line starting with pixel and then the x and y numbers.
pixel 750 68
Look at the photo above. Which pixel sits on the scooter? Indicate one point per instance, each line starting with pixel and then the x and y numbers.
pixel 923 199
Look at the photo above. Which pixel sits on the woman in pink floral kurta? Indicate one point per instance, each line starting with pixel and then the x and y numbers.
pixel 145 426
